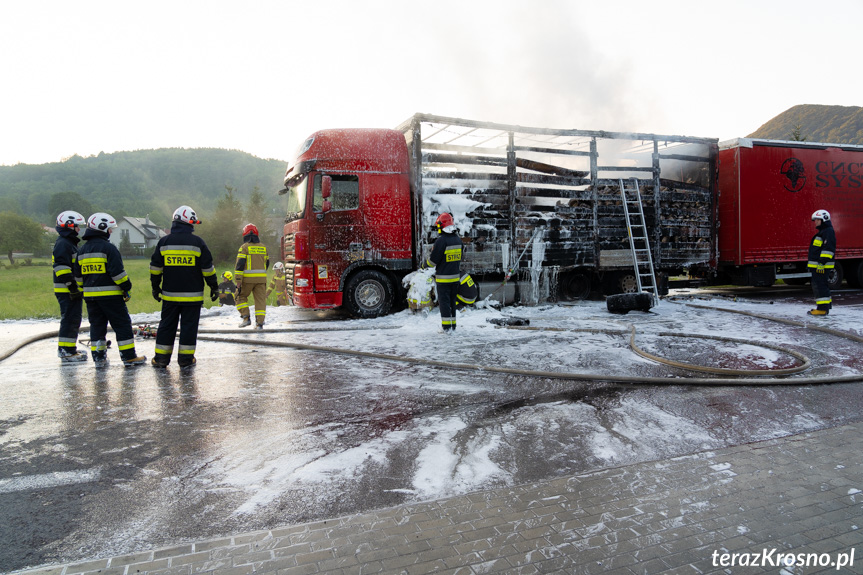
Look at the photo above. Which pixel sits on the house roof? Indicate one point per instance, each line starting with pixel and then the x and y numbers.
pixel 147 228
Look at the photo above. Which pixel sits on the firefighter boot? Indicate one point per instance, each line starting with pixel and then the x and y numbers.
pixel 820 312
pixel 100 357
pixel 247 321
pixel 160 360
pixel 132 359
pixel 186 361
pixel 71 355
pixel 259 325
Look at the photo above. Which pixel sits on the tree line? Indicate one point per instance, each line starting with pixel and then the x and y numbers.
pixel 227 188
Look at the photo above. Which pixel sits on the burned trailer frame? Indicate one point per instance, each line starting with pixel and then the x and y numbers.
pixel 504 182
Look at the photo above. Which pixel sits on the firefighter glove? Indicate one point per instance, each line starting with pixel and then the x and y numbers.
pixel 126 296
pixel 157 293
pixel 75 295
pixel 214 294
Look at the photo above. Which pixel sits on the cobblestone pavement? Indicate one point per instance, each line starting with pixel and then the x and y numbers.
pixel 709 512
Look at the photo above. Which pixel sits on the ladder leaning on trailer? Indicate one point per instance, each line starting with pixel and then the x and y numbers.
pixel 639 243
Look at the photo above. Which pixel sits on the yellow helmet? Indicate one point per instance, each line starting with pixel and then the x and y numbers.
pixel 228 276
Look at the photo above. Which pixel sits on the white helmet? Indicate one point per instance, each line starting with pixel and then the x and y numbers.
pixel 70 219
pixel 822 215
pixel 278 266
pixel 186 214
pixel 101 221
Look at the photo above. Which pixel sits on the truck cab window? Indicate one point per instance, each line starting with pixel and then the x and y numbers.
pixel 345 193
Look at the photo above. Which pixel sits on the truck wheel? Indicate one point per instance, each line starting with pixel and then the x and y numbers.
pixel 627 283
pixel 835 277
pixel 369 293
pixel 574 286
pixel 624 303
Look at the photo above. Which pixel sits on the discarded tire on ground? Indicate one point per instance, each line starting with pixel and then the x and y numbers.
pixel 624 303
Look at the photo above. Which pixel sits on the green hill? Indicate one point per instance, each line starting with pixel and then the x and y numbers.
pixel 139 183
pixel 829 124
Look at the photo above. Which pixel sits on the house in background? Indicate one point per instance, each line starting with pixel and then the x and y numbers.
pixel 142 234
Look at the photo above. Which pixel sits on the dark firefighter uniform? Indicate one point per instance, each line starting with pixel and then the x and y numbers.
pixel 69 296
pixel 227 289
pixel 251 274
pixel 181 263
pixel 822 252
pixel 278 284
pixel 99 272
pixel 446 259
pixel 467 292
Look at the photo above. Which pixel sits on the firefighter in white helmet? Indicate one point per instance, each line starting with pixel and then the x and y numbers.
pixel 180 265
pixel 99 271
pixel 279 284
pixel 822 258
pixel 69 296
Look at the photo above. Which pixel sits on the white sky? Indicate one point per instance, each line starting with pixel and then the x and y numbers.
pixel 90 76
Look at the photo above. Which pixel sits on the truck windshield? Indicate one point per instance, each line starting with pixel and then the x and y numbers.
pixel 297 198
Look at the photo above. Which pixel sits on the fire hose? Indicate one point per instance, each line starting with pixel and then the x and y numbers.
pixel 652 380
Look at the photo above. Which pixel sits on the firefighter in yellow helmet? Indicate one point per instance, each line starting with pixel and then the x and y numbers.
pixel 251 274
pixel 278 283
pixel 227 289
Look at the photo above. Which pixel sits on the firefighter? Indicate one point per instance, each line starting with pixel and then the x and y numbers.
pixel 278 283
pixel 69 296
pixel 227 289
pixel 446 259
pixel 99 272
pixel 467 292
pixel 180 265
pixel 251 274
pixel 822 253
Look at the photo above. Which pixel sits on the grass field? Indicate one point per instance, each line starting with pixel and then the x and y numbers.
pixel 27 291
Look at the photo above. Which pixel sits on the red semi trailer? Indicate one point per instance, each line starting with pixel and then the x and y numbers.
pixel 767 191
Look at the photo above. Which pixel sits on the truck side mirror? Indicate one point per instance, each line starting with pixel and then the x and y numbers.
pixel 326 187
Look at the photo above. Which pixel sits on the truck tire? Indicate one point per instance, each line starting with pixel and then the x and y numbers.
pixel 624 303
pixel 574 286
pixel 369 293
pixel 835 277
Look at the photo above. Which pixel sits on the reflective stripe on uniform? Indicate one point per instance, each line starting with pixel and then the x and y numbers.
pixel 95 291
pixel 448 279
pixel 260 313
pixel 823 301
pixel 120 278
pixel 186 350
pixel 242 305
pixel 100 345
pixel 812 264
pixel 826 254
pixel 167 250
pixel 162 349
pixel 447 320
pixel 67 341
pixel 465 300
pixel 183 295
pixel 126 344
pixel 156 270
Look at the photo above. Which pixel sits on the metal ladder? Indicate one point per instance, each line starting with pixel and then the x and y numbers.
pixel 639 243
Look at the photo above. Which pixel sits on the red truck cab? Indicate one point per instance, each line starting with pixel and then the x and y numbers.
pixel 348 233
